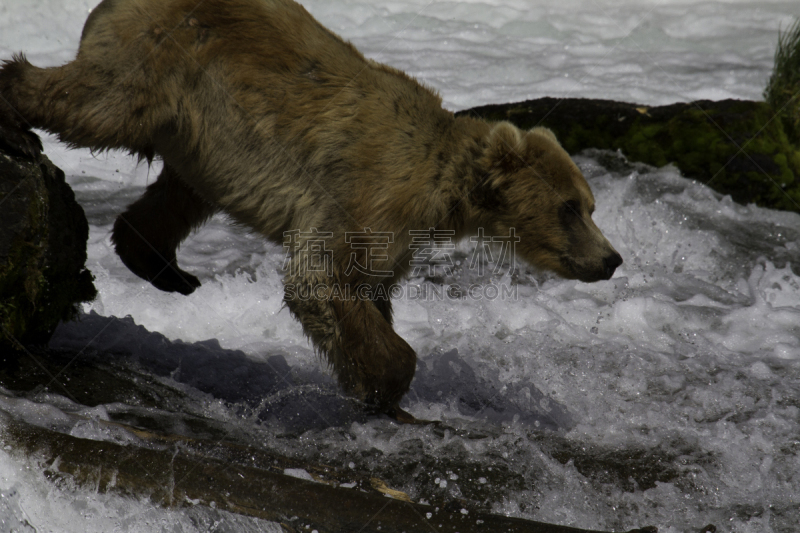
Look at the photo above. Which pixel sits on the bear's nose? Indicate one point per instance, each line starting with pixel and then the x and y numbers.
pixel 611 263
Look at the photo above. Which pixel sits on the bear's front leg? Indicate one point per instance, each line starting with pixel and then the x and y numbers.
pixel 369 359
pixel 377 364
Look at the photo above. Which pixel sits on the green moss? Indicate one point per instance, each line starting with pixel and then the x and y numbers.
pixel 736 148
pixel 783 88
pixel 577 138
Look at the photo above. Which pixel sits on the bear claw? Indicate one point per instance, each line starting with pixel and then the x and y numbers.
pixel 404 417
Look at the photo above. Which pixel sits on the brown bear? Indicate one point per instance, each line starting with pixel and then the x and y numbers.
pixel 259 111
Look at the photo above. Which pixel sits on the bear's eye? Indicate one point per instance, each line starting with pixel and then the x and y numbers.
pixel 569 212
pixel 572 207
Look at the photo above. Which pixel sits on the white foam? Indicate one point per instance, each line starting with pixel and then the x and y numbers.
pixel 693 347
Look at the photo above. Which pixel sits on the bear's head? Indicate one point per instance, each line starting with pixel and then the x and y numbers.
pixel 531 189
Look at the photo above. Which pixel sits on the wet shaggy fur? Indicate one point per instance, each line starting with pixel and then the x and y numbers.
pixel 259 111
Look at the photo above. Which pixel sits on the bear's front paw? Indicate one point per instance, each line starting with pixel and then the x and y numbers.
pixel 404 417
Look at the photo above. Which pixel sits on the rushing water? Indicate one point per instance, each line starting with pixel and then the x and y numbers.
pixel 688 358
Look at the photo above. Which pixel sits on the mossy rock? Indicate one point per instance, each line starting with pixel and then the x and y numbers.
pixel 43 234
pixel 736 147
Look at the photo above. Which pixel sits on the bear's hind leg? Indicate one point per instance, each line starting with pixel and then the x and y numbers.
pixel 148 233
pixel 15 129
pixel 86 103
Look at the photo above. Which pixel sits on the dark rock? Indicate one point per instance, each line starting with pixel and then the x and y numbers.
pixel 43 234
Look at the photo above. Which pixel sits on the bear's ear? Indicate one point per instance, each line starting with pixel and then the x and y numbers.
pixel 545 132
pixel 506 147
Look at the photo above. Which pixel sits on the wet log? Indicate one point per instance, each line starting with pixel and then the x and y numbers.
pixel 176 473
pixel 736 147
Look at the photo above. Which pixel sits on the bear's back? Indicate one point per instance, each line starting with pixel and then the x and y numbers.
pixel 269 35
pixel 257 103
